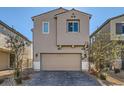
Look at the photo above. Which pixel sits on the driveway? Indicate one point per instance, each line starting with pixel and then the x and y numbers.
pixel 62 78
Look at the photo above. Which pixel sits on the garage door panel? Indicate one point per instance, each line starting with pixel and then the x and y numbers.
pixel 4 58
pixel 60 62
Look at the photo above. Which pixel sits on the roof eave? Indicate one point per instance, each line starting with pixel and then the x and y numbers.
pixel 75 10
pixel 107 21
pixel 47 12
pixel 99 28
pixel 14 31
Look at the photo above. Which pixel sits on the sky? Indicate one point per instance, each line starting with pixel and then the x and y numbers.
pixel 20 18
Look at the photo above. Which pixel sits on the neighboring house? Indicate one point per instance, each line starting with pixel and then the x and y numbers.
pixel 58 38
pixel 6 58
pixel 103 42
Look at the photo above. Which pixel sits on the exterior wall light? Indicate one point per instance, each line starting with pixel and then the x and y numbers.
pixel 59 47
pixel 72 46
pixel 36 55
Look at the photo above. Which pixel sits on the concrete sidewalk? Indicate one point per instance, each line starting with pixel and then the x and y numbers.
pixel 114 81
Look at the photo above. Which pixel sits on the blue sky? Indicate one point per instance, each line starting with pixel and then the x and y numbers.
pixel 20 18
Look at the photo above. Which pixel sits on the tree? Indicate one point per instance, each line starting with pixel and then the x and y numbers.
pixel 104 50
pixel 17 45
pixel 97 50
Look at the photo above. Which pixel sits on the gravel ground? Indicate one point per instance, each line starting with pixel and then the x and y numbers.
pixel 54 78
pixel 8 82
pixel 119 76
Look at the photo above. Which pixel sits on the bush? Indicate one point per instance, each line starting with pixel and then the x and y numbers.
pixel 18 81
pixel 94 72
pixel 26 78
pixel 102 76
pixel 1 81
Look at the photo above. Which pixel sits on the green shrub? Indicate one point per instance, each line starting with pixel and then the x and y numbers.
pixel 102 76
pixel 1 81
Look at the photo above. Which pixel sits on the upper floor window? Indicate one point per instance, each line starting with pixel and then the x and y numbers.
pixel 73 25
pixel 93 39
pixel 119 28
pixel 2 29
pixel 45 27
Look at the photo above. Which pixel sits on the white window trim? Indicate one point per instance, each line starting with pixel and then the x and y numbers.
pixel 43 27
pixel 73 27
pixel 93 39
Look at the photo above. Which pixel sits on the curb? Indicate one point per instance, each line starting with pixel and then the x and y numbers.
pixel 100 81
pixel 115 80
pixel 116 77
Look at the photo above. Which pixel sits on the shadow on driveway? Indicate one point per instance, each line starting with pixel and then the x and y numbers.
pixel 62 78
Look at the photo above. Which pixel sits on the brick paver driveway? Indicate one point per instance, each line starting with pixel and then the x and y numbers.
pixel 54 78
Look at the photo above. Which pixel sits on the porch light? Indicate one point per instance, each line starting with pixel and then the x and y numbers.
pixel 59 47
pixel 72 46
pixel 36 55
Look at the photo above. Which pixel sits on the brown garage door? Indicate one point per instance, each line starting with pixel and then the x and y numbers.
pixel 62 62
pixel 4 59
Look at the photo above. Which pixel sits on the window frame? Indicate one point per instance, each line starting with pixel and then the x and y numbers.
pixel 122 30
pixel 77 21
pixel 2 29
pixel 43 31
pixel 93 39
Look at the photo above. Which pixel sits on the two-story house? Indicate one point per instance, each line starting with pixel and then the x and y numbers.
pixel 108 40
pixel 58 38
pixel 6 58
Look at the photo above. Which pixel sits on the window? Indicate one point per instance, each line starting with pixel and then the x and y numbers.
pixel 123 28
pixel 2 29
pixel 119 28
pixel 93 39
pixel 45 27
pixel 73 25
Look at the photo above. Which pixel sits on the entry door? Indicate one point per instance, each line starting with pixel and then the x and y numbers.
pixel 122 64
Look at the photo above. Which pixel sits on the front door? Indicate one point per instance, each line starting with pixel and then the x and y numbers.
pixel 123 64
pixel 12 58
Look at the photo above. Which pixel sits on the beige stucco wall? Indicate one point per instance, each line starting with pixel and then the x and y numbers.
pixel 2 40
pixel 28 49
pixel 114 36
pixel 105 31
pixel 4 53
pixel 47 43
pixel 27 57
pixel 72 38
